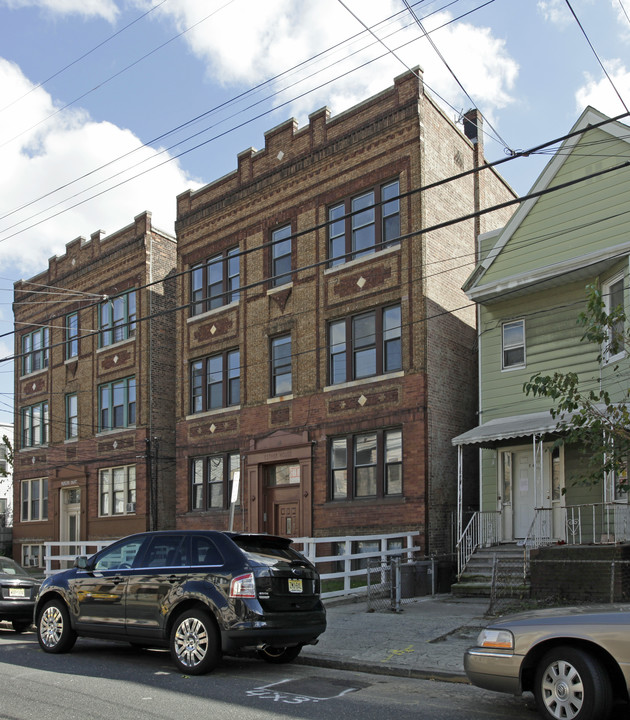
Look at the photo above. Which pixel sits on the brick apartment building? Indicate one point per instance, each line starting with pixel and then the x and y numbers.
pixel 94 401
pixel 327 351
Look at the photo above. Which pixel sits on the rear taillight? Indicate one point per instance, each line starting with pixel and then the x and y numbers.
pixel 243 586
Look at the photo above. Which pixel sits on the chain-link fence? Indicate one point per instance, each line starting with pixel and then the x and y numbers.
pixel 395 582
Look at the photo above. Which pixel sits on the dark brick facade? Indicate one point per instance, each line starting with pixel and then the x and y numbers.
pixel 139 257
pixel 300 173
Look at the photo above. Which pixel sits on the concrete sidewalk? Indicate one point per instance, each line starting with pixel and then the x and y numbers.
pixel 426 640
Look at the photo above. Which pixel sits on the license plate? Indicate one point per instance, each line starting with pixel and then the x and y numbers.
pixel 295 586
pixel 17 592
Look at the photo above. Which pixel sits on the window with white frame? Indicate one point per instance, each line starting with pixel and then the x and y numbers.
pixel 35 425
pixel 613 297
pixel 117 491
pixel 211 479
pixel 32 556
pixel 513 344
pixel 35 350
pixel 34 500
pixel 117 319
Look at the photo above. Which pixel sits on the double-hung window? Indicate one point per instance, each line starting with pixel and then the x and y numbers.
pixel 365 345
pixel 117 319
pixel 613 296
pixel 35 425
pixel 117 404
pixel 281 366
pixel 366 465
pixel 72 416
pixel 281 256
pixel 363 224
pixel 35 350
pixel 117 490
pixel 215 282
pixel 513 334
pixel 215 381
pixel 211 479
pixel 34 499
pixel 72 335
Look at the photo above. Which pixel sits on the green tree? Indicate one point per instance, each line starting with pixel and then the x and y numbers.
pixel 9 456
pixel 590 418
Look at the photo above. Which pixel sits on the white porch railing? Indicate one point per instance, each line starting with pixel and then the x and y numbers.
pixel 481 531
pixel 597 523
pixel 540 531
pixel 385 546
pixel 58 556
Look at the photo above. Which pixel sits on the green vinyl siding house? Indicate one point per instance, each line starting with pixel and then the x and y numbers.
pixel 529 286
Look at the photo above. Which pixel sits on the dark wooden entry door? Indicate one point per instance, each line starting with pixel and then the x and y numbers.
pixel 283 511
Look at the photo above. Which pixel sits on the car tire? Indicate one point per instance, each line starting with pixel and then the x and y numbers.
pixel 194 642
pixel 21 626
pixel 54 631
pixel 279 655
pixel 573 685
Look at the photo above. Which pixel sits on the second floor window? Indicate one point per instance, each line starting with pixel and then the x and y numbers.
pixel 215 283
pixel 72 335
pixel 117 319
pixel 281 374
pixel 35 350
pixel 34 499
pixel 365 345
pixel 117 404
pixel 281 256
pixel 364 224
pixel 513 344
pixel 613 293
pixel 72 417
pixel 35 425
pixel 215 382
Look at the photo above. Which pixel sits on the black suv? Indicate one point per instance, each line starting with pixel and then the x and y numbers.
pixel 199 593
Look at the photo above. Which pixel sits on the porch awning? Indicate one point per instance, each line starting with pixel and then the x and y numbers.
pixel 506 428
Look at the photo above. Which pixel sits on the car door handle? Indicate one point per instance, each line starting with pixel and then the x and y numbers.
pixel 117 579
pixel 173 578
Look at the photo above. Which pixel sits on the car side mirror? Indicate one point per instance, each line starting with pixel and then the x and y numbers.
pixel 81 562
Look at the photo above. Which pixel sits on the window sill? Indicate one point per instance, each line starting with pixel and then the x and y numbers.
pixel 280 398
pixel 210 413
pixel 214 311
pixel 372 499
pixel 32 448
pixel 115 431
pixel 365 381
pixel 115 345
pixel 280 288
pixel 366 258
pixel 33 374
pixel 69 441
pixel 74 358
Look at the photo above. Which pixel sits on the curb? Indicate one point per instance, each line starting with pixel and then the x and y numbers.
pixel 391 670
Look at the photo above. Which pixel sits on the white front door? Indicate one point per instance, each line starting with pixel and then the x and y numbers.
pixel 523 492
pixel 70 521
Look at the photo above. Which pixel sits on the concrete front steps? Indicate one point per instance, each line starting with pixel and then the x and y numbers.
pixel 476 580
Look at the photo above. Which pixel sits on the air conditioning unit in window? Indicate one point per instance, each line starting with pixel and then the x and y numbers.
pixel 131 507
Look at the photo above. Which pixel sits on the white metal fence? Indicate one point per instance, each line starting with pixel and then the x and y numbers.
pixel 341 561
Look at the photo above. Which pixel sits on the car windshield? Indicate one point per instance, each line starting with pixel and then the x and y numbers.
pixel 10 567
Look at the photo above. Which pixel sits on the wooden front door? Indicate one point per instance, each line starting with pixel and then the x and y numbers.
pixel 282 494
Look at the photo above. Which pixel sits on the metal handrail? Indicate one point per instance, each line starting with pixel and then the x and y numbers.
pixel 482 529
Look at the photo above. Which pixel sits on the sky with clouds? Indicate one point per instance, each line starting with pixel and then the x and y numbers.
pixel 112 107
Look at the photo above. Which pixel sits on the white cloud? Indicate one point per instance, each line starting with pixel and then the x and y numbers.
pixel 106 9
pixel 39 158
pixel 556 12
pixel 600 93
pixel 279 34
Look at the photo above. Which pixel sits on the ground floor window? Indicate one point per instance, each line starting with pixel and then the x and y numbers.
pixel 366 465
pixel 117 490
pixel 32 556
pixel 211 479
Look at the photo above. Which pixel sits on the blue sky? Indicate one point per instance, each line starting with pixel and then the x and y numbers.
pixel 91 83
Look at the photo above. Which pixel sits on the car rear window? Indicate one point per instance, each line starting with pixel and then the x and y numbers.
pixel 266 551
